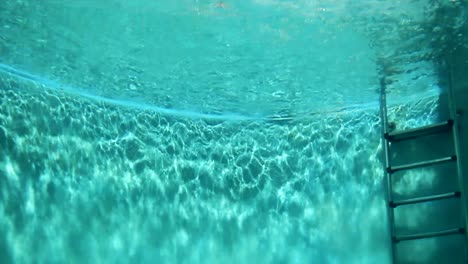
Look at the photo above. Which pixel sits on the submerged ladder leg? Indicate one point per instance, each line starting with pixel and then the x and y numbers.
pixel 387 178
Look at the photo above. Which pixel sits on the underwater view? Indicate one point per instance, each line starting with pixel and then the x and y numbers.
pixel 203 131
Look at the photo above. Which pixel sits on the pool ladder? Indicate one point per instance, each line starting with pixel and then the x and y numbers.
pixel 389 137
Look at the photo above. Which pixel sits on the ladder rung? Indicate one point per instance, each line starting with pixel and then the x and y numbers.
pixel 448 232
pixel 421 164
pixel 420 131
pixel 394 204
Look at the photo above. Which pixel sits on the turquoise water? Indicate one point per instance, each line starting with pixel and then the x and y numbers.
pixel 256 58
pixel 98 183
pixel 208 132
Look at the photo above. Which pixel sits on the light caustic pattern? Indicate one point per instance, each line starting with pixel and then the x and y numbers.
pixel 83 181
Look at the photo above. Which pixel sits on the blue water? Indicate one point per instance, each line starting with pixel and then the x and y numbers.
pixel 206 131
pixel 260 58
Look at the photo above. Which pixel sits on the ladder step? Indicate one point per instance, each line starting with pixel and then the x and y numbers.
pixel 449 195
pixel 421 164
pixel 418 132
pixel 448 232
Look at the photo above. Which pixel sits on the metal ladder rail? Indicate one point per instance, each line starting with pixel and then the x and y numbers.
pixel 387 139
pixel 456 141
pixel 388 179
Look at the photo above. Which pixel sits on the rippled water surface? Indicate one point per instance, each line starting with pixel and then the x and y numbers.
pixel 256 57
pixel 211 132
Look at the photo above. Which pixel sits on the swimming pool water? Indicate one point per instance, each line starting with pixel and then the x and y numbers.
pixel 211 132
pixel 91 182
pixel 257 57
